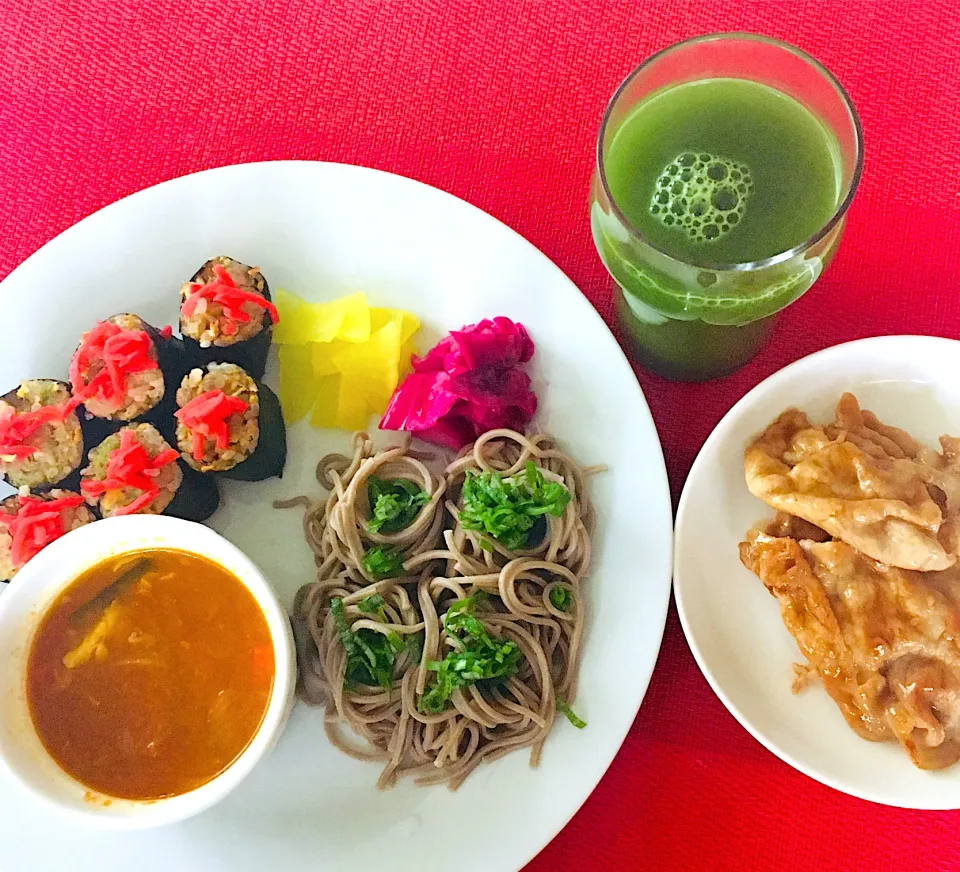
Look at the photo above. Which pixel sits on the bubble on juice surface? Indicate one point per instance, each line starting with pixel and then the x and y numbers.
pixel 703 195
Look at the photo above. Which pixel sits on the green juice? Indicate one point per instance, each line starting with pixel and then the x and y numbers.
pixel 712 173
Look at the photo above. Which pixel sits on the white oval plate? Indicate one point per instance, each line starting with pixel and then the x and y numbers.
pixel 733 625
pixel 323 230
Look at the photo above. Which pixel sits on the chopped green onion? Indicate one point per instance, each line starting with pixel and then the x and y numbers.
pixel 561 598
pixel 372 605
pixel 480 657
pixel 415 647
pixel 370 654
pixel 565 709
pixel 508 508
pixel 394 504
pixel 383 561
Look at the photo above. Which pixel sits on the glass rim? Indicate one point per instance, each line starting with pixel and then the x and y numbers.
pixel 838 213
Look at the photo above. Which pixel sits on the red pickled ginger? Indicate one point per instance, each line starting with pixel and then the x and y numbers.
pixel 470 382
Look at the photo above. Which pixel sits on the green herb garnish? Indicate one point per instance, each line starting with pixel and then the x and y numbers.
pixel 563 708
pixel 372 605
pixel 561 598
pixel 480 656
pixel 508 508
pixel 371 655
pixel 343 628
pixel 383 561
pixel 394 504
pixel 415 647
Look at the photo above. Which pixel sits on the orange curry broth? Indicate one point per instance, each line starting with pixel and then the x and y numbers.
pixel 167 683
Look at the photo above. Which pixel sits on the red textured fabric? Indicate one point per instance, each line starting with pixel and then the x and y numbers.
pixel 498 102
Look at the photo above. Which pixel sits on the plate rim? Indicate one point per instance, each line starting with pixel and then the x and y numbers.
pixel 656 461
pixel 686 497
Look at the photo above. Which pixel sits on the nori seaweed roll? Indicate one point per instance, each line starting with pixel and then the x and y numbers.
pixel 226 315
pixel 41 441
pixel 135 471
pixel 230 424
pixel 122 368
pixel 30 522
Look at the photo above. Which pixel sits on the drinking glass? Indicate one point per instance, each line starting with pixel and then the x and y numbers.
pixel 692 321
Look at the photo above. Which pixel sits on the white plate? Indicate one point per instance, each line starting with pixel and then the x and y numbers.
pixel 323 230
pixel 733 625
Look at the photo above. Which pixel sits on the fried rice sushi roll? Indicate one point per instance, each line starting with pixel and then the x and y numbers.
pixel 135 471
pixel 122 368
pixel 30 522
pixel 230 424
pixel 226 315
pixel 41 440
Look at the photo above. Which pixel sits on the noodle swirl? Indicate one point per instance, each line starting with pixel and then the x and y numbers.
pixel 443 563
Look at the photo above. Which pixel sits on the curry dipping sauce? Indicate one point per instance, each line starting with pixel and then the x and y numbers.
pixel 150 674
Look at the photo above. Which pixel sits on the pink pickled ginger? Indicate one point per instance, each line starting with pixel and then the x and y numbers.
pixel 470 382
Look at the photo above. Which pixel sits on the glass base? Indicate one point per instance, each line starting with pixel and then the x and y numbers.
pixel 691 351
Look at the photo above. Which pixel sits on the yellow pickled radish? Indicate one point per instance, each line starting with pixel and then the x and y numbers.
pixel 322 354
pixel 407 321
pixel 373 365
pixel 295 326
pixel 298 382
pixel 341 358
pixel 409 325
pixel 339 405
pixel 407 350
pixel 346 318
pixel 355 326
pixel 325 402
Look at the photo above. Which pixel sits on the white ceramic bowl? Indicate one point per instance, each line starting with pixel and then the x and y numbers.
pixel 733 625
pixel 32 592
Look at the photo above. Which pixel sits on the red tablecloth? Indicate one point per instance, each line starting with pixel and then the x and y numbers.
pixel 499 103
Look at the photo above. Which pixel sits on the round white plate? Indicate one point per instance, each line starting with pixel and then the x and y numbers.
pixel 733 625
pixel 323 230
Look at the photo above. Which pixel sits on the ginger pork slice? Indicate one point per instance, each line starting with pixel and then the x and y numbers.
pixel 863 482
pixel 883 641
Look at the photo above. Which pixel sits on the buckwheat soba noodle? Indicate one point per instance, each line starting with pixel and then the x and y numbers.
pixel 468 649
